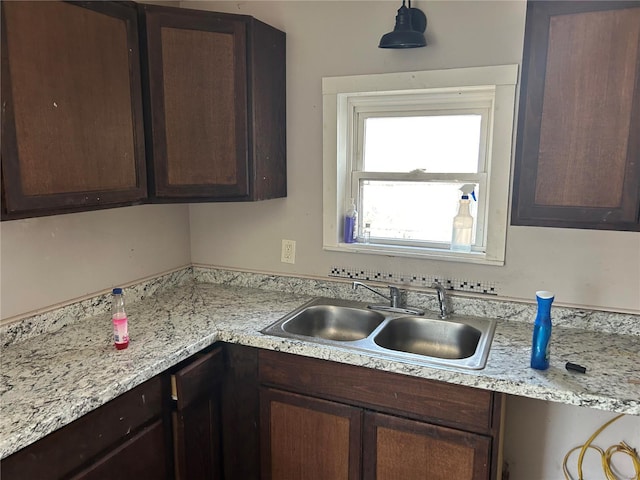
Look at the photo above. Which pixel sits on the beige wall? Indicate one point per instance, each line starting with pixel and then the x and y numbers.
pixel 48 260
pixel 539 434
pixel 332 38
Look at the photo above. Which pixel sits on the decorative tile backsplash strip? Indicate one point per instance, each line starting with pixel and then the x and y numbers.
pixel 413 279
pixel 58 317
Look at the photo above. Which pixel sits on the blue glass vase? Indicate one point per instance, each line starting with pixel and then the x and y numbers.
pixel 542 331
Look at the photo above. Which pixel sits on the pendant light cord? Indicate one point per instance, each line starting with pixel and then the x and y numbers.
pixel 605 456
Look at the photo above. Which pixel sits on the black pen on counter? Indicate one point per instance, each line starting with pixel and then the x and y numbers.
pixel 574 367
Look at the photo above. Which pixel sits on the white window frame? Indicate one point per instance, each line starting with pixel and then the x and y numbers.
pixel 446 101
pixel 346 97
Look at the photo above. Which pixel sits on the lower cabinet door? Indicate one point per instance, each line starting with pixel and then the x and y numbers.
pixel 197 441
pixel 308 438
pixel 142 456
pixel 196 417
pixel 398 448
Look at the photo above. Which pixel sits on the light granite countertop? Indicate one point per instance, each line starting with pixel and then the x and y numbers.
pixel 55 377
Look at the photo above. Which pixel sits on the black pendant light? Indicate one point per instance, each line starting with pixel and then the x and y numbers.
pixel 411 24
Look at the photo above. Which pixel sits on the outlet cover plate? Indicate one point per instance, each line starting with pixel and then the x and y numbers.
pixel 288 254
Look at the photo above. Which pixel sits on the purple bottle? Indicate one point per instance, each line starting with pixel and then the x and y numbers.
pixel 351 224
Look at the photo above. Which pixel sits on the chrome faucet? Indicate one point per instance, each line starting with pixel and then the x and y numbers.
pixel 394 293
pixel 395 298
pixel 442 298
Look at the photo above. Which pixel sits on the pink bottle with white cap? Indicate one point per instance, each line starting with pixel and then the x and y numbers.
pixel 119 318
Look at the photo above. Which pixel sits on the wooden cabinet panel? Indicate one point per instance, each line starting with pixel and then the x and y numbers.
pixel 400 448
pixel 198 101
pixel 240 404
pixel 216 102
pixel 196 417
pixel 72 107
pixel 309 438
pixel 142 456
pixel 195 109
pixel 197 440
pixel 579 127
pixel 267 115
pixel 198 377
pixel 432 401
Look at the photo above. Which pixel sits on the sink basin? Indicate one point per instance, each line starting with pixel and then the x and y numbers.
pixel 430 337
pixel 458 341
pixel 334 322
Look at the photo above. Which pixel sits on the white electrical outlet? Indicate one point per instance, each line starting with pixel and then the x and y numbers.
pixel 288 251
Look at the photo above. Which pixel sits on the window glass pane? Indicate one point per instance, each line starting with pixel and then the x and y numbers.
pixel 435 143
pixel 411 211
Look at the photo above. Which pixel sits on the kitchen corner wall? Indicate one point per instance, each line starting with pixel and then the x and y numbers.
pixel 331 38
pixel 49 260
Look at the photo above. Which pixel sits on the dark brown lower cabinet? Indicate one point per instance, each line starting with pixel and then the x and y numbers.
pixel 321 420
pixel 196 416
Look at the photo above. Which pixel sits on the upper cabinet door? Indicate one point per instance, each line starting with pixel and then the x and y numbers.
pixel 578 148
pixel 206 117
pixel 72 127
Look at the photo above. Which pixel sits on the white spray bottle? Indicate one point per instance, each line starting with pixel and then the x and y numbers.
pixel 462 231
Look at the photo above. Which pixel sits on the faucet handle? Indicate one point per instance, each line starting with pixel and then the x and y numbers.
pixel 395 295
pixel 442 298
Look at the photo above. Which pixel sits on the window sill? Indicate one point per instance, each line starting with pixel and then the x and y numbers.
pixel 479 258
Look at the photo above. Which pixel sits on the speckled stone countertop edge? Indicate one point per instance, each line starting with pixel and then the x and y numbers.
pixel 66 373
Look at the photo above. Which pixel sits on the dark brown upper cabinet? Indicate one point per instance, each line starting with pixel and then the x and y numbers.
pixel 215 104
pixel 72 122
pixel 578 147
pixel 115 103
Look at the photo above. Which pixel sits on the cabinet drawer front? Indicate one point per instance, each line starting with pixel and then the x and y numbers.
pixel 66 449
pixel 143 456
pixel 198 378
pixel 429 400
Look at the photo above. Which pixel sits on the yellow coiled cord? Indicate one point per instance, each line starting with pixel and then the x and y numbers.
pixel 622 447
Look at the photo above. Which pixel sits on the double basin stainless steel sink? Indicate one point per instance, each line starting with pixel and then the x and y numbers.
pixel 457 341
